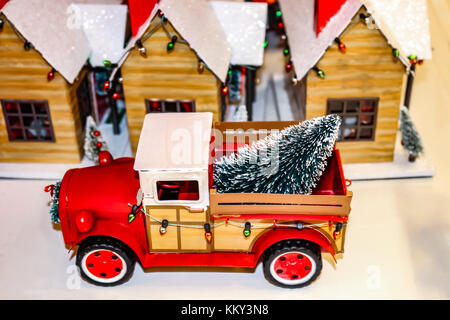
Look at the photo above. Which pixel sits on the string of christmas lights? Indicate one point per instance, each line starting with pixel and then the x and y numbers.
pixel 143 51
pixel 207 226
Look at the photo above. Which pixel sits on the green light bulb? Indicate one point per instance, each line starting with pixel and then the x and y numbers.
pixel 278 13
pixel 395 53
pixel 247 229
pixel 265 44
pixel 321 74
pixel 107 63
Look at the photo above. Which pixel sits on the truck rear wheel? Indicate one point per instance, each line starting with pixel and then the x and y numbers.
pixel 292 263
pixel 105 261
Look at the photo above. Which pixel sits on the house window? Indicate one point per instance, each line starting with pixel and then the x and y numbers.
pixel 178 190
pixel 28 120
pixel 359 117
pixel 157 105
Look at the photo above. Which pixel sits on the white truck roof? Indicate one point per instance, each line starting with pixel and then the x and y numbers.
pixel 174 141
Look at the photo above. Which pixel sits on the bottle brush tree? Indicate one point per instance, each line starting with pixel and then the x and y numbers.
pixel 410 136
pixel 290 161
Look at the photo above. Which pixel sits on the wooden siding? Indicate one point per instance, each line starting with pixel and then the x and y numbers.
pixel 23 75
pixel 163 75
pixel 367 69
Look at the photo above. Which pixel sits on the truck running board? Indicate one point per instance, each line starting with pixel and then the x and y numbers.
pixel 215 259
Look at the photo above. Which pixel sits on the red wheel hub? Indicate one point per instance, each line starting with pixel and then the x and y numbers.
pixel 292 266
pixel 104 264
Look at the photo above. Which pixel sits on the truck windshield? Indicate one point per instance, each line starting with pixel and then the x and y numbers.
pixel 178 190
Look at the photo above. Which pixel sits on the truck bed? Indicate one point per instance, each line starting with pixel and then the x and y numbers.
pixel 329 198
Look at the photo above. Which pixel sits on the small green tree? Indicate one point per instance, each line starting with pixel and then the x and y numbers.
pixel 93 141
pixel 54 209
pixel 291 161
pixel 410 136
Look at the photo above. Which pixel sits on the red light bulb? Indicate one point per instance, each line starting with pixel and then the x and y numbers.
pixel 116 96
pixel 106 86
pixel 288 67
pixel 225 90
pixel 342 47
pixel 99 144
pixel 51 75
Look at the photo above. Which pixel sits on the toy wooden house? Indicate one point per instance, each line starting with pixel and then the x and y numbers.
pixel 183 67
pixel 353 62
pixel 40 118
pixel 175 64
pixel 46 92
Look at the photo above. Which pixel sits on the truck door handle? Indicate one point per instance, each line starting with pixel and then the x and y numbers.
pixel 196 210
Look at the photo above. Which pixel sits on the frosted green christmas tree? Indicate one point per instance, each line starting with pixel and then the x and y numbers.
pixel 410 136
pixel 290 162
pixel 93 141
pixel 54 209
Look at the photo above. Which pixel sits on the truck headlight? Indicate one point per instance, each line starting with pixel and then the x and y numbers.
pixel 84 221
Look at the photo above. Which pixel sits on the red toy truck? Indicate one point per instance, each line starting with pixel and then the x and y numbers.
pixel 162 210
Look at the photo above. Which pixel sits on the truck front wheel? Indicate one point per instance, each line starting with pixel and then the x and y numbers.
pixel 105 261
pixel 292 263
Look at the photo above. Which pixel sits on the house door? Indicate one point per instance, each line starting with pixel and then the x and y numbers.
pixel 177 227
pixel 84 101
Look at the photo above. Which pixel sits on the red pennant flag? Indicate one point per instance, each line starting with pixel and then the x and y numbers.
pixel 139 10
pixel 2 3
pixel 324 11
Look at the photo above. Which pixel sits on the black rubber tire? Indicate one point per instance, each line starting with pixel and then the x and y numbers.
pixel 309 248
pixel 111 244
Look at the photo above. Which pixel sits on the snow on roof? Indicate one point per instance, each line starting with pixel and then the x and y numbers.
pixel 104 26
pixel 404 23
pixel 174 141
pixel 306 48
pixel 244 23
pixel 49 25
pixel 196 22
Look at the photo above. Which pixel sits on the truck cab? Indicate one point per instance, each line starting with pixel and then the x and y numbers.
pixel 174 179
pixel 178 218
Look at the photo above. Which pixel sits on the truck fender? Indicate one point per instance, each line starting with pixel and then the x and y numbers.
pixel 120 232
pixel 279 234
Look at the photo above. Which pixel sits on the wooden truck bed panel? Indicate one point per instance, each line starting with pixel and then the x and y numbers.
pixel 264 203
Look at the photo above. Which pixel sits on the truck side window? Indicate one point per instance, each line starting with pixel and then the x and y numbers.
pixel 178 190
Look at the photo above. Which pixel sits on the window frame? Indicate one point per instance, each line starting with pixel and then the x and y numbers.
pixel 34 114
pixel 358 126
pixel 148 108
pixel 177 202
